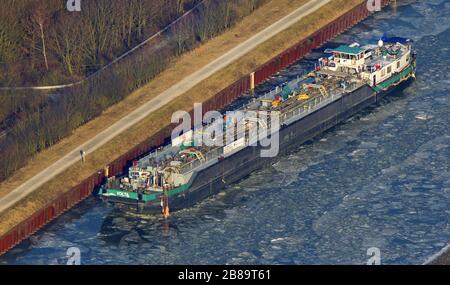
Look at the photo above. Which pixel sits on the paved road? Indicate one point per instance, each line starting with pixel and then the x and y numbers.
pixel 157 102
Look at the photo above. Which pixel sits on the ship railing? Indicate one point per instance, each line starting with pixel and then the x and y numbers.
pixel 310 106
pixel 212 154
pixel 279 89
pixel 236 133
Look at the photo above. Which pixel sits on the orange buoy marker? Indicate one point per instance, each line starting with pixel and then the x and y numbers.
pixel 166 212
pixel 165 207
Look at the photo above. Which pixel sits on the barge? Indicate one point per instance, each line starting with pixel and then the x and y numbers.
pixel 346 80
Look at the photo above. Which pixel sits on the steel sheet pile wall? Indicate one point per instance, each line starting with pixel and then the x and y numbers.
pixel 217 102
pixel 49 212
pixel 228 95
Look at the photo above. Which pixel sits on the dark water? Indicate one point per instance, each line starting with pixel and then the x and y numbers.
pixel 382 180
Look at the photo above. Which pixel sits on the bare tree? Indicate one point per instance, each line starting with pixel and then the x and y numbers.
pixel 40 17
pixel 183 35
pixel 65 43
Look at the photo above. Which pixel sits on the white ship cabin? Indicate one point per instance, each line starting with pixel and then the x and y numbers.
pixel 372 63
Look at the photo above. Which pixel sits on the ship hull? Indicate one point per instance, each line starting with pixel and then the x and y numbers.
pixel 214 179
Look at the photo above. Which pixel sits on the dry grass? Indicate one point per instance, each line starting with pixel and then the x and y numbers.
pixel 178 69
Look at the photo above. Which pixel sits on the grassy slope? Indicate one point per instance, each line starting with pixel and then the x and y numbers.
pixel 181 67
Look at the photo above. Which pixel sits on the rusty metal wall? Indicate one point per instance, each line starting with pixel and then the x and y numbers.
pixel 49 212
pixel 217 102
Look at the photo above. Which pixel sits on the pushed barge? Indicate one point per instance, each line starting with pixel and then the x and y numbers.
pixel 348 79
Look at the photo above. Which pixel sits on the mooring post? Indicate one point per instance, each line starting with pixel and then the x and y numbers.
pixel 106 170
pixel 252 82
